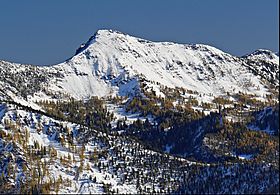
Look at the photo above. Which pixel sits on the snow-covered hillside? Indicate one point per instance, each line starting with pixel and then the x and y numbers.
pixel 264 63
pixel 41 154
pixel 112 63
pixel 111 59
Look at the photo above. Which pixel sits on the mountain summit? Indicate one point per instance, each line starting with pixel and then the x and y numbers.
pixel 112 63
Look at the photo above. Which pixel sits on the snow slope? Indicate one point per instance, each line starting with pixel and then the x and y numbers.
pixel 112 63
pixel 264 63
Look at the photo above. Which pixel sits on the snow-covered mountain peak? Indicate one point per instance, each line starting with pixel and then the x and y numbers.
pixel 102 35
pixel 111 62
pixel 112 37
pixel 109 32
pixel 264 63
pixel 263 52
pixel 264 55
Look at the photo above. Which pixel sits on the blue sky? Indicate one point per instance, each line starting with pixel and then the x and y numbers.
pixel 48 32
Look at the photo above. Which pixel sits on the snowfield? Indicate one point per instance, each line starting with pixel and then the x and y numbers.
pixel 111 56
pixel 112 63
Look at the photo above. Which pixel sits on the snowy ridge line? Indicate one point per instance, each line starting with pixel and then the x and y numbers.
pixel 110 62
pixel 29 108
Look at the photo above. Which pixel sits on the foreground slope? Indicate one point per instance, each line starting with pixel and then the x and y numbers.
pixel 40 154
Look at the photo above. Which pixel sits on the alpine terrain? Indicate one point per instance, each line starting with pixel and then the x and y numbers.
pixel 128 115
